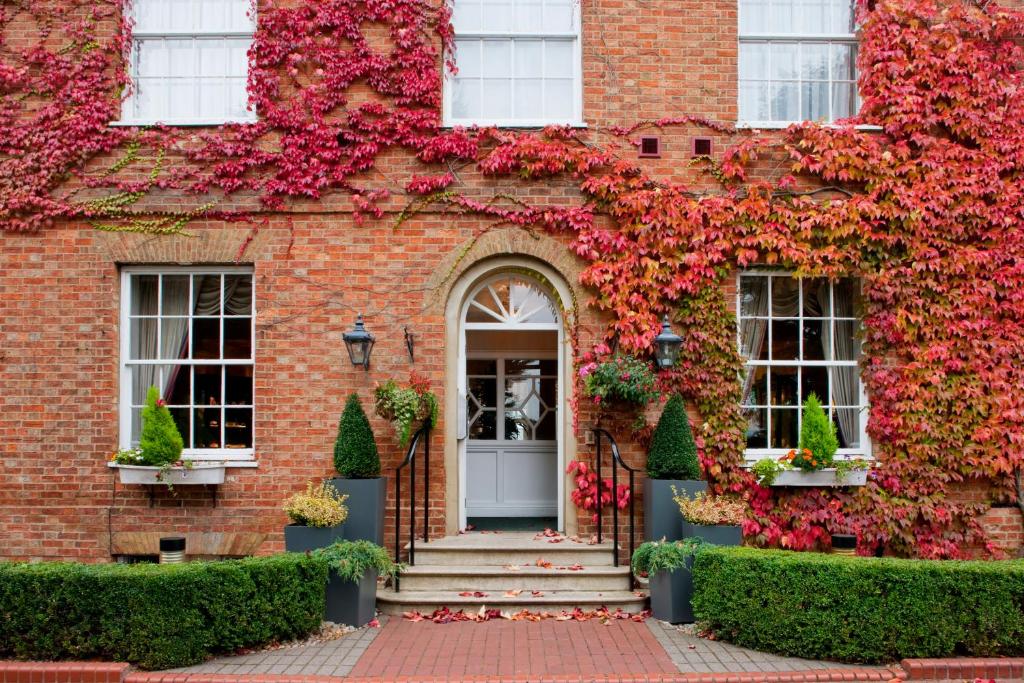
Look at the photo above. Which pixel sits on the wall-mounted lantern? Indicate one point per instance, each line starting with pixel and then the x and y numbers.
pixel 359 343
pixel 667 345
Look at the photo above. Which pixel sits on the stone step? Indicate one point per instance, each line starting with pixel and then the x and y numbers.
pixel 488 578
pixel 425 602
pixel 497 550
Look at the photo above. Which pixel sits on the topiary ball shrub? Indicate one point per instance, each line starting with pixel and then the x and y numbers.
pixel 673 452
pixel 817 435
pixel 160 441
pixel 355 450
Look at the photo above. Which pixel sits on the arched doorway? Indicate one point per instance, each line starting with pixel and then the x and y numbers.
pixel 511 401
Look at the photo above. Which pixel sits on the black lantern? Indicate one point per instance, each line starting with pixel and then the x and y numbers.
pixel 667 345
pixel 359 343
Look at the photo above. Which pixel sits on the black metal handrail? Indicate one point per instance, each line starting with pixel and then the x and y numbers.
pixel 410 460
pixel 617 462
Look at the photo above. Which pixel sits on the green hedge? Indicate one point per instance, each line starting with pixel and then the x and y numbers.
pixel 860 609
pixel 157 616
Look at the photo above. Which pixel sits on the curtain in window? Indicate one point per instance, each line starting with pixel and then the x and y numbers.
pixel 752 330
pixel 843 379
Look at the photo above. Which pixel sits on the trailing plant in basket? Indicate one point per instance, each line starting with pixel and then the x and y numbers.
pixel 407 406
pixel 350 560
pixel 656 556
pixel 622 378
pixel 673 452
pixel 355 449
pixel 320 506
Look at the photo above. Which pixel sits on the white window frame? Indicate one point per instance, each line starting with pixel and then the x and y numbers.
pixel 754 454
pixel 799 39
pixel 128 117
pixel 238 456
pixel 576 120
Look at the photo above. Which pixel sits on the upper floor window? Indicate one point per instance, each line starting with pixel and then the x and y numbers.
pixel 797 61
pixel 518 63
pixel 189 62
pixel 189 333
pixel 798 337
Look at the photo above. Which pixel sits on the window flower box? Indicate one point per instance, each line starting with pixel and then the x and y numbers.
pixel 826 477
pixel 198 473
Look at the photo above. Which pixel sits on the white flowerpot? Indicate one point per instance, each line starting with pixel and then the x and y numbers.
pixel 825 477
pixel 199 473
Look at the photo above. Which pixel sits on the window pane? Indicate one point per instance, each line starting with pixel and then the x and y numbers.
pixel 142 378
pixel 237 295
pixel 785 339
pixel 816 298
pixel 755 384
pixel 843 100
pixel 754 61
pixel 785 61
pixel 182 421
pixel 848 427
pixel 143 344
pixel 814 61
pixel 559 16
pixel 238 428
pixel 844 61
pixel 213 57
pixel 816 339
pixel 179 16
pixel 497 59
pixel 558 100
pixel 481 366
pixel 484 426
pixel 498 15
pixel 785 102
pixel 529 16
pixel 152 59
pixel 497 98
pixel 174 338
pixel 529 99
pixel 785 297
pixel 466 16
pixel 753 296
pixel 207 421
pixel 206 338
pixel 754 338
pixel 814 380
pixel 842 16
pixel 207 292
pixel 237 337
pixel 519 367
pixel 784 428
pixel 845 386
pixel 175 295
pixel 559 59
pixel 467 55
pixel 844 293
pixel 483 393
pixel 784 386
pixel 753 16
pixel 847 346
pixel 757 427
pixel 529 59
pixel 144 293
pixel 780 18
pixel 238 385
pixel 206 385
pixel 214 99
pixel 176 381
pixel 811 16
pixel 181 95
pixel 466 98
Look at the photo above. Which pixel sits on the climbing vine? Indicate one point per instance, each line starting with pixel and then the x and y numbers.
pixel 926 210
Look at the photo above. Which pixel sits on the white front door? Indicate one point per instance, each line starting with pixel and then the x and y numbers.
pixel 510 379
pixel 512 449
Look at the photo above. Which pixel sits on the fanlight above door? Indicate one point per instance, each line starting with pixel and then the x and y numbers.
pixel 511 300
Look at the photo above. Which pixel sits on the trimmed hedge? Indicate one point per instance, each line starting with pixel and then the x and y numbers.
pixel 859 609
pixel 157 616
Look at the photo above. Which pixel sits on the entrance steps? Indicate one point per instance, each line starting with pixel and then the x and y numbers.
pixel 512 572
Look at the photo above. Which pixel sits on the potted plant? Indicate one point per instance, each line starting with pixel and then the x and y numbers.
pixel 354 567
pixel 318 518
pixel 813 462
pixel 157 459
pixel 668 566
pixel 406 407
pixel 715 519
pixel 357 461
pixel 671 466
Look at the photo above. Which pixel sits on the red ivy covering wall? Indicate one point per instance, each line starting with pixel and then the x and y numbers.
pixel 929 215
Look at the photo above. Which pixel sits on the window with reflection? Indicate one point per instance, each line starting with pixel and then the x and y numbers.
pixel 190 334
pixel 798 337
pixel 797 61
pixel 512 399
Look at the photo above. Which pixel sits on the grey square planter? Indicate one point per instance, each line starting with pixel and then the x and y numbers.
pixel 299 539
pixel 723 534
pixel 671 593
pixel 366 499
pixel 351 602
pixel 661 514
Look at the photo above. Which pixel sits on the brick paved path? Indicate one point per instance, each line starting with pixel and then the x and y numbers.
pixel 509 648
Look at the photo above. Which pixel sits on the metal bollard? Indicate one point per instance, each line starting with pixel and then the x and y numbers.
pixel 172 550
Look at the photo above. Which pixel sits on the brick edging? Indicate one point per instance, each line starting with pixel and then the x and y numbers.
pixel 808 676
pixel 62 672
pixel 964 668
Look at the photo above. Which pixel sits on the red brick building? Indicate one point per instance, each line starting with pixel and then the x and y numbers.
pixel 242 329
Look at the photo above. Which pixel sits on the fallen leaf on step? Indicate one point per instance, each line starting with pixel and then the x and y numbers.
pixel 513 568
pixel 541 562
pixel 472 594
pixel 412 616
pixel 373 623
pixel 537 594
pixel 640 594
pixel 693 647
pixel 513 593
pixel 575 568
pixel 593 540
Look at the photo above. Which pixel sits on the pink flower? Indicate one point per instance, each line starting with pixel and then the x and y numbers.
pixel 587 369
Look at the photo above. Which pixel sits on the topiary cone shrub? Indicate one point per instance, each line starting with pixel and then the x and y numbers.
pixel 355 450
pixel 817 436
pixel 673 452
pixel 160 442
